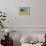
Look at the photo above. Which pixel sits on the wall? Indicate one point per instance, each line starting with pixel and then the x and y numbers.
pixel 36 19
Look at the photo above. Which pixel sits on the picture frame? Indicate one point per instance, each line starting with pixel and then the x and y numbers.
pixel 24 10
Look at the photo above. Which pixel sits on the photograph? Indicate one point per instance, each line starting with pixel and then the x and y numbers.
pixel 24 10
pixel 22 22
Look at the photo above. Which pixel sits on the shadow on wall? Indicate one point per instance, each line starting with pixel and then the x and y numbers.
pixel 16 43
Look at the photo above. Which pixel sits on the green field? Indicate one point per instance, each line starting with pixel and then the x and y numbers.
pixel 24 12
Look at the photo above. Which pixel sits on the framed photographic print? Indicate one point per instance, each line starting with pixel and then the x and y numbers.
pixel 24 10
